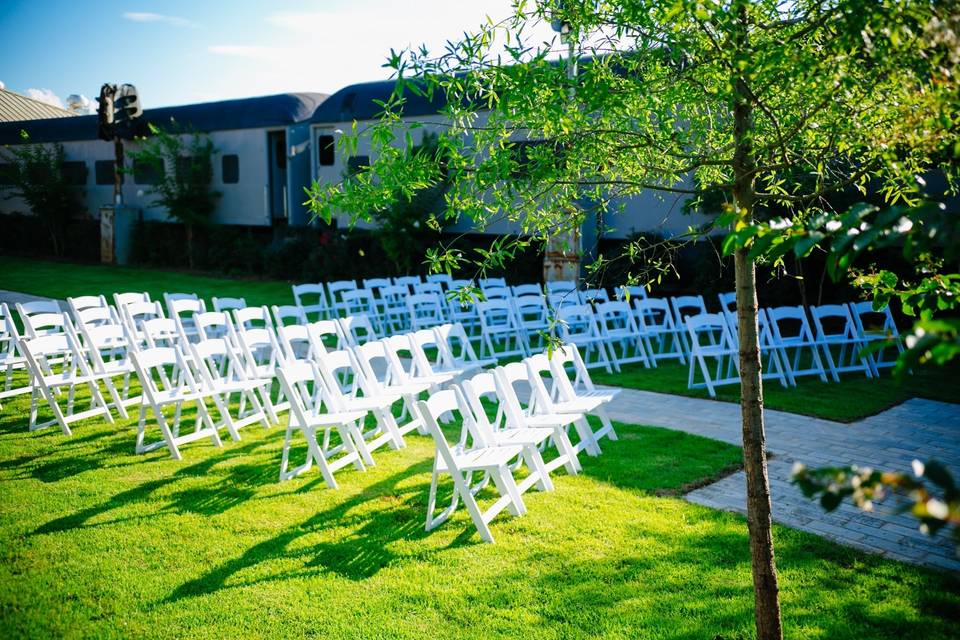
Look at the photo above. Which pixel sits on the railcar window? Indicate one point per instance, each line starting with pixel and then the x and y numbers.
pixel 74 172
pixel 103 172
pixel 147 172
pixel 231 169
pixel 325 151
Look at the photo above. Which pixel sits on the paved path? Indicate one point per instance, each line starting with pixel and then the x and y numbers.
pixel 13 297
pixel 890 440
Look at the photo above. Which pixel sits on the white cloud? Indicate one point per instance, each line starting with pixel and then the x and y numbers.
pixel 45 95
pixel 173 21
pixel 2 86
pixel 79 103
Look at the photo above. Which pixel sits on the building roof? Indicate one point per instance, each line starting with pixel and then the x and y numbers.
pixel 358 102
pixel 246 113
pixel 15 107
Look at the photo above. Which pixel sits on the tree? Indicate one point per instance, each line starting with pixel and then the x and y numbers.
pixel 773 104
pixel 182 163
pixel 35 173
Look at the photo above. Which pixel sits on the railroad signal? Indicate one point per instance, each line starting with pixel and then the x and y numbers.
pixel 119 111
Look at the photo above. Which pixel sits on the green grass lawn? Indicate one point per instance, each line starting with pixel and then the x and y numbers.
pixel 98 542
pixel 61 279
pixel 851 399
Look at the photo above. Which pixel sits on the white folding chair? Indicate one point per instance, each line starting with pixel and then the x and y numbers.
pixel 226 305
pixel 460 311
pixel 578 325
pixel 533 318
pixel 107 349
pixel 839 341
pixel 312 298
pixel 500 333
pixel 511 426
pixel 82 303
pixel 456 351
pixel 877 331
pixel 336 290
pixel 659 331
pixel 461 464
pixel 296 344
pixel 710 339
pixel 220 372
pixel 328 335
pixel 624 341
pixel 163 332
pixel 261 354
pixel 561 286
pixel 348 391
pixel 425 311
pixel 486 283
pixel 383 375
pixel 181 310
pixel 414 362
pixel 773 359
pixel 252 318
pixel 517 380
pixel 96 316
pixel 361 302
pixel 496 293
pixel 393 305
pixel 286 314
pixel 123 299
pixel 595 296
pixel 310 413
pixel 134 314
pixel 684 306
pixel 372 284
pixel 11 357
pixel 793 339
pixel 213 324
pixel 56 363
pixel 434 288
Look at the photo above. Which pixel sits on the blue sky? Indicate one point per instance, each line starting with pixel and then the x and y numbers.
pixel 178 51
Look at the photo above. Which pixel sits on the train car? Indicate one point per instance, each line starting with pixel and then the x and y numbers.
pixel 649 212
pixel 259 168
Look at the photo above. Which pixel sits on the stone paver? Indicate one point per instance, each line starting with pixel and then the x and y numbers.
pixel 13 297
pixel 890 440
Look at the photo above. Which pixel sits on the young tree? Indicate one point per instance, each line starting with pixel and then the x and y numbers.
pixel 183 165
pixel 773 104
pixel 35 174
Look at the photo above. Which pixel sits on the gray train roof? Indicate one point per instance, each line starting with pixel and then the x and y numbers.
pixel 245 113
pixel 356 102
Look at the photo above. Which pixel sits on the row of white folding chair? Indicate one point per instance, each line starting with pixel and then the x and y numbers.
pixel 515 436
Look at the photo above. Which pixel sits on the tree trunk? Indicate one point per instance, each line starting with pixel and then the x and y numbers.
pixel 765 587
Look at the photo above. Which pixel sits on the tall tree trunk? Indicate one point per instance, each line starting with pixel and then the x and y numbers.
pixel 765 587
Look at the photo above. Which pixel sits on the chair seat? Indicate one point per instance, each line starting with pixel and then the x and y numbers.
pixel 485 458
pixel 521 436
pixel 552 420
pixel 604 395
pixel 327 418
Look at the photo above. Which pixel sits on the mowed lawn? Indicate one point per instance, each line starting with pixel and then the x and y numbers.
pixel 98 542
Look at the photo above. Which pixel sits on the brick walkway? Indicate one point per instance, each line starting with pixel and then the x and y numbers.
pixel 891 440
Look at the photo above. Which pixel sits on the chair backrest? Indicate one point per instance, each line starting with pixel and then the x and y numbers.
pixel 482 387
pixel 684 306
pixel 496 315
pixel 216 361
pixel 41 317
pixel 496 293
pixel 96 316
pixel 709 329
pixel 443 279
pixel 212 324
pixel 163 332
pixel 103 343
pixel 833 322
pixel 630 292
pixel 357 301
pixel 304 387
pixel 527 290
pixel 152 366
pixel 487 283
pixel 378 365
pixel 728 301
pixel 653 314
pixel 228 304
pixel 564 361
pixel 343 376
pixel 295 342
pixel 557 299
pixel 507 378
pixel 460 283
pixel 312 298
pixel 871 322
pixel 561 286
pixel 336 290
pixel 372 284
pixel 407 281
pixel 426 310
pixel 434 288
pixel 403 348
pixel 789 324
pixel 595 296
pixel 439 404
pixel 123 299
pixel 393 297
pixel 177 303
pixel 357 329
pixel 9 335
pixel 616 318
pixel 577 321
pixel 81 303
pixel 285 314
pixel 531 310
pixel 252 317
